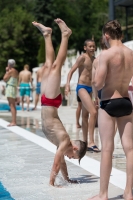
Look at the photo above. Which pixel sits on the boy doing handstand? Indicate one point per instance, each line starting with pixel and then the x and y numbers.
pixel 51 99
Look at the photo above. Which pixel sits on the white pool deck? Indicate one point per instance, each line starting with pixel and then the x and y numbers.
pixel 26 158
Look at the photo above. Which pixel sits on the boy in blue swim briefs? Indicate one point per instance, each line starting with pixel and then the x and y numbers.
pixel 84 90
pixel 51 99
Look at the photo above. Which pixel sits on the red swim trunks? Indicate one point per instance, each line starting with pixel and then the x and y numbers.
pixel 51 102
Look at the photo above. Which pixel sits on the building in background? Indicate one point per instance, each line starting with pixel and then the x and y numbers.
pixel 123 11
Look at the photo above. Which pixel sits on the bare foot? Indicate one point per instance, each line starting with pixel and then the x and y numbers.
pixel 44 30
pixel 126 197
pixel 12 124
pixel 97 198
pixel 63 27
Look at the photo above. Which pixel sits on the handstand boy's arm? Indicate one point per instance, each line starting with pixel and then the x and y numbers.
pixel 57 160
pixel 56 167
pixel 78 64
pixel 63 168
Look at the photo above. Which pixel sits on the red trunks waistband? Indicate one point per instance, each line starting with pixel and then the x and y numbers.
pixel 51 102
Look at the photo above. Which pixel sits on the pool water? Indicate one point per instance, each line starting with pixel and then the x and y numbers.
pixel 5 106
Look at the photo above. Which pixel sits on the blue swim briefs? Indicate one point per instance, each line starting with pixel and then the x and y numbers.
pixel 88 88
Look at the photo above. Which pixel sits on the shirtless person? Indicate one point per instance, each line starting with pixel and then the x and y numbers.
pixel 24 80
pixel 51 100
pixel 113 75
pixel 11 79
pixel 97 94
pixel 38 85
pixel 84 90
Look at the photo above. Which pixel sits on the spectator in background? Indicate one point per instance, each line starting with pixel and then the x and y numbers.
pixel 11 79
pixel 24 79
pixel 38 85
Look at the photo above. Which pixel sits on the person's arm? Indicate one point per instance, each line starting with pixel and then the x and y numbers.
pixel 94 90
pixel 7 75
pixel 63 168
pixel 19 79
pixel 101 70
pixel 31 80
pixel 56 166
pixel 37 76
pixel 58 159
pixel 78 64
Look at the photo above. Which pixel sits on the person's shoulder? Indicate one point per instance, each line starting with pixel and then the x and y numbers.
pixel 20 73
pixel 106 53
pixel 81 57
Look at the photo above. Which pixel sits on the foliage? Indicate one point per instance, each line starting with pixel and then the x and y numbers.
pixel 23 42
pixel 18 38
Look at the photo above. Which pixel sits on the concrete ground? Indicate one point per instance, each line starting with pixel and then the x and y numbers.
pixel 25 162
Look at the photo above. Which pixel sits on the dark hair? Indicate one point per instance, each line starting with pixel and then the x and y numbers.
pixel 88 40
pixel 82 148
pixel 102 44
pixel 113 28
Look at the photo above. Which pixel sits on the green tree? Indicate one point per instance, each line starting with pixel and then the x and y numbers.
pixel 84 17
pixel 18 38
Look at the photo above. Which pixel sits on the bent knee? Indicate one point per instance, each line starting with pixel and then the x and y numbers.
pixel 93 113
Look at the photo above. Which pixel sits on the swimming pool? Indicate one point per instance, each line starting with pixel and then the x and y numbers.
pixel 6 107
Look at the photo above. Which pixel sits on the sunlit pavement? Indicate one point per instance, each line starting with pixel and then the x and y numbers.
pixel 25 164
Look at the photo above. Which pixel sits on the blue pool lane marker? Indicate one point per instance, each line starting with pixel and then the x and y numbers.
pixel 4 194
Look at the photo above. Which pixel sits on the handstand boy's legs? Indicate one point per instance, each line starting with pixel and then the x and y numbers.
pixel 54 77
pixel 66 32
pixel 49 50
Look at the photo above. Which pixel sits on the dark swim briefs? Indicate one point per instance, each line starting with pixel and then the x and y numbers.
pixel 117 107
pixel 78 99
